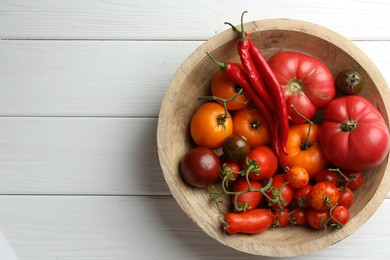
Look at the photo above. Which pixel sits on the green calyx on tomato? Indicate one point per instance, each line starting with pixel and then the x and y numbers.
pixel 348 126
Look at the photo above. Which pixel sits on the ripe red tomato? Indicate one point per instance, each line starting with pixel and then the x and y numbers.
pixel 281 191
pixel 307 83
pixel 300 196
pixel 298 216
pixel 248 200
pixel 281 217
pixel 340 216
pixel 200 166
pixel 223 87
pixel 297 177
pixel 265 159
pixel 210 126
pixel 355 179
pixel 354 134
pixel 251 123
pixel 303 152
pixel 249 222
pixel 323 196
pixel 346 198
pixel 230 170
pixel 317 219
pixel 329 176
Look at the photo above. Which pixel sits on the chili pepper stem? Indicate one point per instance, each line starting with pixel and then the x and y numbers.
pixel 243 37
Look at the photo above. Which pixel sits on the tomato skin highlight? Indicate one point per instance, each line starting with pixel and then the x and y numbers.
pixel 200 167
pixel 249 222
pixel 205 128
pixel 354 134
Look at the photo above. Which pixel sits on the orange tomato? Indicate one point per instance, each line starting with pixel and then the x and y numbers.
pixel 223 87
pixel 210 126
pixel 302 151
pixel 251 123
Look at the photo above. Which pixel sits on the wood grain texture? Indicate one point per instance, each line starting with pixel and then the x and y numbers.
pixel 200 20
pixel 142 227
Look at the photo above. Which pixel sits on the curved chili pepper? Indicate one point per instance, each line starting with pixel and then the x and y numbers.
pixel 236 74
pixel 270 80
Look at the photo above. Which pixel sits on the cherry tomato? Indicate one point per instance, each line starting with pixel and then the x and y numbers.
pixel 346 198
pixel 251 124
pixel 323 195
pixel 329 176
pixel 354 134
pixel 300 196
pixel 317 219
pixel 281 217
pixel 302 151
pixel 340 216
pixel 223 87
pixel 235 147
pixel 355 178
pixel 210 126
pixel 248 200
pixel 297 177
pixel 265 159
pixel 281 191
pixel 298 216
pixel 250 222
pixel 349 82
pixel 200 166
pixel 307 82
pixel 230 171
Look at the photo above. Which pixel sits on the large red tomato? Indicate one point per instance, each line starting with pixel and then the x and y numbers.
pixel 307 83
pixel 353 134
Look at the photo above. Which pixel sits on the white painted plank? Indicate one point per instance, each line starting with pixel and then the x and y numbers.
pixel 80 156
pixel 102 78
pixel 154 19
pixel 152 227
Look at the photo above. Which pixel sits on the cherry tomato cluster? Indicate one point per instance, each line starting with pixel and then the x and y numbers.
pixel 308 174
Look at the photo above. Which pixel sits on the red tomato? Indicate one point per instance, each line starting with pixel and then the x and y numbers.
pixel 300 196
pixel 210 126
pixel 323 196
pixel 298 216
pixel 329 176
pixel 223 87
pixel 230 171
pixel 346 198
pixel 303 152
pixel 297 177
pixel 317 219
pixel 354 134
pixel 250 222
pixel 281 191
pixel 340 216
pixel 307 83
pixel 355 179
pixel 200 166
pixel 248 200
pixel 251 124
pixel 266 161
pixel 281 217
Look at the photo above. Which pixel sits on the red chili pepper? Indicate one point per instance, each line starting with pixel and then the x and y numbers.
pixel 270 80
pixel 236 74
pixel 249 222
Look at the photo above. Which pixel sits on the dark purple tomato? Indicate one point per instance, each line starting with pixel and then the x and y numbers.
pixel 349 82
pixel 200 166
pixel 235 147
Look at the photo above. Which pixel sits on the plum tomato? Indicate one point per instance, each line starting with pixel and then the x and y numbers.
pixel 263 159
pixel 297 177
pixel 251 123
pixel 235 147
pixel 200 166
pixel 248 199
pixel 223 87
pixel 323 196
pixel 210 125
pixel 349 82
pixel 249 222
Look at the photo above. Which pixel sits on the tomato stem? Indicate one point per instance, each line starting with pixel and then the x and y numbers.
pixel 348 126
pixel 306 144
pixel 347 180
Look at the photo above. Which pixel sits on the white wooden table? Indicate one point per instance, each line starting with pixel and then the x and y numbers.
pixel 81 83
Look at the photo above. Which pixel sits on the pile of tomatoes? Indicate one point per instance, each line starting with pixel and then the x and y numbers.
pixel 334 136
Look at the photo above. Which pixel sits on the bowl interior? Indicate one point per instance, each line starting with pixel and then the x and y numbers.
pixel 193 80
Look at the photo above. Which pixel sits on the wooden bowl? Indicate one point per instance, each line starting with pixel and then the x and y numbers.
pixel 192 80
